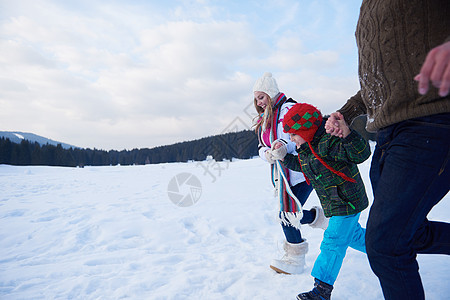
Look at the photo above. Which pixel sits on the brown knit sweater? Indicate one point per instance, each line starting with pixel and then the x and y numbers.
pixel 393 38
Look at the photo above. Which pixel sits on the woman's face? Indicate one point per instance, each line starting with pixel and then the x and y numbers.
pixel 298 140
pixel 262 99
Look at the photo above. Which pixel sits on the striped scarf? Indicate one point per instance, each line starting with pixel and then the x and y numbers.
pixel 290 208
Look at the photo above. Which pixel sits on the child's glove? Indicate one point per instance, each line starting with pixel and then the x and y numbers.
pixel 281 151
pixel 269 156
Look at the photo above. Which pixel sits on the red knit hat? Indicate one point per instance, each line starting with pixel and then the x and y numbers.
pixel 304 119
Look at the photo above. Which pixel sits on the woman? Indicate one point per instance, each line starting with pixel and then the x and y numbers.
pixel 293 190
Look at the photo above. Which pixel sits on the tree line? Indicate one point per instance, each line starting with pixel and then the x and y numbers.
pixel 242 145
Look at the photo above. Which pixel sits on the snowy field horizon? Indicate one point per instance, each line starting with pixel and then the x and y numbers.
pixel 195 230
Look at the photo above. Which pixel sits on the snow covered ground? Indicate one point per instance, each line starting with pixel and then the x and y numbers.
pixel 136 232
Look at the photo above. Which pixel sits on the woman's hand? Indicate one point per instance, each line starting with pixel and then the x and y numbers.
pixel 269 156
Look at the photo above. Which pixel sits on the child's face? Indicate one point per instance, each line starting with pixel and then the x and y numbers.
pixel 297 139
pixel 262 99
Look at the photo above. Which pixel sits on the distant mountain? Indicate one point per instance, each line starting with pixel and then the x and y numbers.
pixel 17 137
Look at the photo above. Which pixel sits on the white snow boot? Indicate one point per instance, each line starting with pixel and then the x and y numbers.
pixel 293 261
pixel 320 221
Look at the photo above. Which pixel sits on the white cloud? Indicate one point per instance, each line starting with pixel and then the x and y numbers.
pixel 110 75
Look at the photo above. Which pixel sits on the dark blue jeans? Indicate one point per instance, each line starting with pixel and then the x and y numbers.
pixel 301 191
pixel 409 175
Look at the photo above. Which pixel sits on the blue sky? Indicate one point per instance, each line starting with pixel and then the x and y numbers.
pixel 133 74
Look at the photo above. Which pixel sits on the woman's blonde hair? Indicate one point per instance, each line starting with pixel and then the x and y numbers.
pixel 264 115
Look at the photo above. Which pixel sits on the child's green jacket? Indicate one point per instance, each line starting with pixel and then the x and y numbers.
pixel 337 196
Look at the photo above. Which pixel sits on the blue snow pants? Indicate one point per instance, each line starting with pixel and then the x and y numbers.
pixel 342 232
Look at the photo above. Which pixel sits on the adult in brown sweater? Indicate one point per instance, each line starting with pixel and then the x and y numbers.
pixel 404 73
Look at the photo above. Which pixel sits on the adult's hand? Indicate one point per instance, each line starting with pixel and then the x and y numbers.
pixel 332 125
pixel 436 69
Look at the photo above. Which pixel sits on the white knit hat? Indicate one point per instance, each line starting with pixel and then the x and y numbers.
pixel 267 84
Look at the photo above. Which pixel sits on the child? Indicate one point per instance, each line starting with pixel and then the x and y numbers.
pixel 329 164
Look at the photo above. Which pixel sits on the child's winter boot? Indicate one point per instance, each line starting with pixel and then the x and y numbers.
pixel 321 291
pixel 320 221
pixel 293 261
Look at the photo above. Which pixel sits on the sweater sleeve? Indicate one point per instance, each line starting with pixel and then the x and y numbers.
pixel 354 148
pixel 353 108
pixel 291 162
